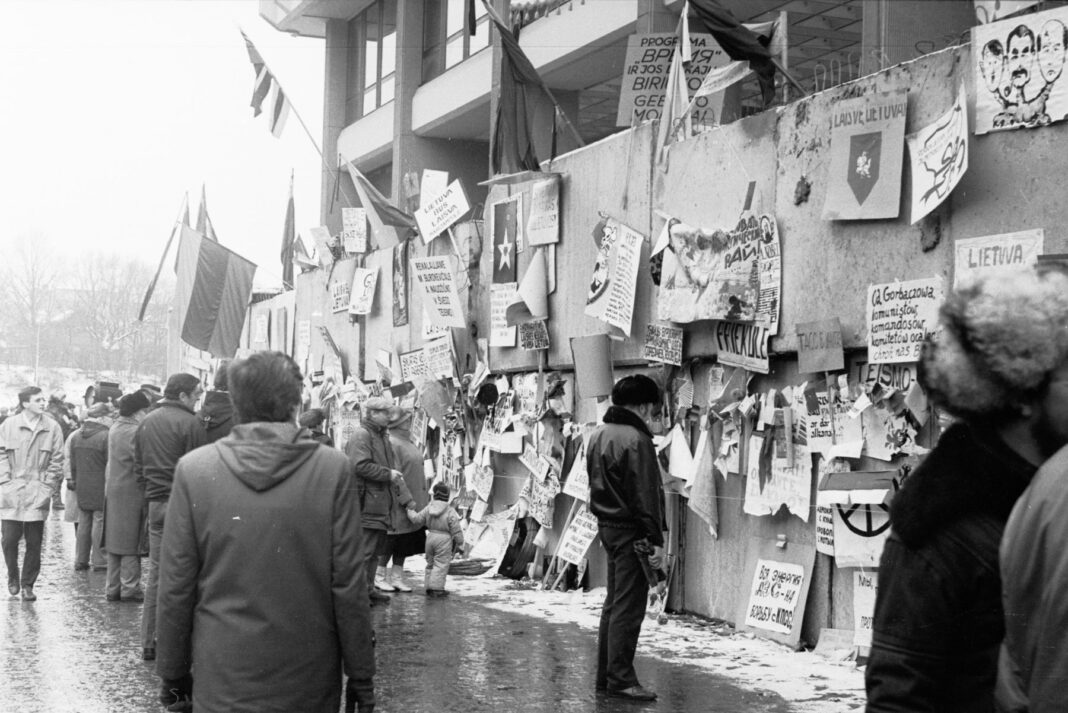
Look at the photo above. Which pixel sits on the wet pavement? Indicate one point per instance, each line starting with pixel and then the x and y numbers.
pixel 73 651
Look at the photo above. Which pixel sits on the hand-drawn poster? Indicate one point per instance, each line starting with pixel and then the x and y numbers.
pixel 860 532
pixel 663 343
pixel 533 336
pixel 732 275
pixel 992 10
pixel 340 294
pixel 439 360
pixel 577 484
pixel 323 241
pixel 744 345
pixel 482 481
pixel 501 335
pixel 443 210
pixel 610 296
pixel 348 420
pixel 864 181
pixel 413 366
pixel 996 254
pixel 819 346
pixel 826 433
pixel 441 299
pixel 789 486
pixel 364 282
pixel 543 224
pixel 900 316
pixel 865 587
pixel 825 529
pixel 507 216
pixel 354 230
pixel 899 377
pixel 400 284
pixel 774 596
pixel 1018 67
pixel 938 155
pixel 578 537
pixel 543 499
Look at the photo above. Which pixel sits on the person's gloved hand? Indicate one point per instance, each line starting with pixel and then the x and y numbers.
pixel 176 694
pixel 359 696
pixel 70 484
pixel 401 492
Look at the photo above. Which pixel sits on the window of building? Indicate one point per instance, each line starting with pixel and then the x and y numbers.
pixel 373 34
pixel 446 39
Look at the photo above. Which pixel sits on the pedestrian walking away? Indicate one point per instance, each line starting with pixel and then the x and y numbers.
pixel 88 449
pixel 627 498
pixel 996 365
pixel 217 413
pixel 444 538
pixel 30 473
pixel 125 498
pixel 262 592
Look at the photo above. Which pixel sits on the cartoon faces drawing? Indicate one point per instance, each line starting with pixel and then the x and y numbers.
pixel 1021 72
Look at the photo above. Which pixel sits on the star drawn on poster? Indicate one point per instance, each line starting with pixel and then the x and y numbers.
pixel 506 255
pixel 505 227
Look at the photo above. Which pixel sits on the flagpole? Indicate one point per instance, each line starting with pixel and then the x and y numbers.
pixel 162 259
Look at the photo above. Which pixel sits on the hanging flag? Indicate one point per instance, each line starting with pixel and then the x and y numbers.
pixel 675 122
pixel 719 78
pixel 389 224
pixel 739 42
pixel 184 212
pixel 211 294
pixel 289 236
pixel 204 226
pixel 265 88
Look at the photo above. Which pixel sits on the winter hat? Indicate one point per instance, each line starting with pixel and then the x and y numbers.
pixel 312 418
pixel 98 410
pixel 132 403
pixel 401 418
pixel 377 403
pixel 441 492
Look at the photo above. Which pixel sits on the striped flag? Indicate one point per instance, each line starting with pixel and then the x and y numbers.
pixel 389 224
pixel 266 89
pixel 211 295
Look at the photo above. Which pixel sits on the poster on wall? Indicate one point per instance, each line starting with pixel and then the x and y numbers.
pixel 578 537
pixel 400 284
pixel 501 335
pixel 938 157
pixel 900 315
pixel 543 224
pixel 825 529
pixel 340 295
pixel 348 420
pixel 996 254
pixel 744 345
pixel 413 366
pixel 819 346
pixel 774 595
pixel 364 283
pixel 860 531
pixel 785 485
pixel 865 587
pixel 533 336
pixel 441 299
pixel 610 296
pixel 354 229
pixel 1018 71
pixel 663 343
pixel 733 275
pixel 864 180
pixel 442 210
pixel 506 216
pixel 991 10
pixel 439 359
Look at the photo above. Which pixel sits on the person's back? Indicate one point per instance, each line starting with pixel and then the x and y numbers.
pixel 166 434
pixel 217 413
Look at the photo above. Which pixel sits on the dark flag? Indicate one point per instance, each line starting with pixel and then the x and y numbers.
pixel 739 42
pixel 289 236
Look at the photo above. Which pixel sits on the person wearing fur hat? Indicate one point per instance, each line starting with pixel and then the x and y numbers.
pixel 88 461
pixel 444 538
pixel 313 420
pixel 124 502
pixel 407 538
pixel 998 365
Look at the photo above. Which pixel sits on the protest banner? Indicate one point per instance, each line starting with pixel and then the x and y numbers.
pixel 441 211
pixel 774 595
pixel 742 344
pixel 543 499
pixel 543 224
pixel 938 154
pixel 996 254
pixel 482 481
pixel 663 343
pixel 865 587
pixel 364 283
pixel 533 336
pixel 710 274
pixel 578 537
pixel 442 302
pixel 900 377
pixel 864 180
pixel 610 296
pixel 819 346
pixel 501 335
pixel 900 315
pixel 354 229
pixel 1018 66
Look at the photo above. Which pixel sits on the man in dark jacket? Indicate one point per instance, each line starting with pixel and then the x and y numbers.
pixel 166 434
pixel 376 471
pixel 63 414
pixel 262 589
pixel 88 463
pixel 217 413
pixel 628 500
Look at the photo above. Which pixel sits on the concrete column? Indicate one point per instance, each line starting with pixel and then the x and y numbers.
pixel 335 92
pixel 409 77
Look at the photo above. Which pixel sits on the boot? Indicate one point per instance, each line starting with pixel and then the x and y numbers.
pixel 396 579
pixel 381 582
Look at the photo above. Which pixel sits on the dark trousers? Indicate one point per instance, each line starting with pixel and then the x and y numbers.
pixel 623 611
pixel 374 543
pixel 11 531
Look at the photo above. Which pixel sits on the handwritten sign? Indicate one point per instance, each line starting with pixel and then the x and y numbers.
pixel 340 295
pixel 442 301
pixel 819 346
pixel 442 211
pixel 939 157
pixel 996 254
pixel 663 343
pixel 789 486
pixel 865 587
pixel 501 335
pixel 533 335
pixel 577 484
pixel 354 229
pixel 439 361
pixel 413 366
pixel 578 537
pixel 543 499
pixel 774 596
pixel 348 420
pixel 529 458
pixel 900 316
pixel 364 282
pixel 610 296
pixel 744 345
pixel 886 376
pixel 323 241
pixel 543 225
pixel 825 529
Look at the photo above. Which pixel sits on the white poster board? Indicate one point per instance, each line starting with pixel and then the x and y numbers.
pixel 900 315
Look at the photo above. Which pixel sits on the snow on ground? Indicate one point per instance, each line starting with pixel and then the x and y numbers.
pixel 810 682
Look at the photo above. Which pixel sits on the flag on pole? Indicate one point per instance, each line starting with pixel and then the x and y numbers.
pixel 719 78
pixel 204 226
pixel 675 124
pixel 389 224
pixel 211 294
pixel 739 42
pixel 266 89
pixel 289 236
pixel 184 213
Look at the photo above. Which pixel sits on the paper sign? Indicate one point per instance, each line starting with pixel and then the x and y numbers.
pixel 340 295
pixel 501 335
pixel 744 345
pixel 506 220
pixel 592 357
pixel 859 534
pixel 996 255
pixel 431 184
pixel 789 486
pixel 825 529
pixel 542 500
pixel 577 484
pixel 774 596
pixel 482 482
pixel 819 346
pixel 533 336
pixel 710 274
pixel 347 423
pixel 939 157
pixel 610 296
pixel 578 537
pixel 531 299
pixel 439 361
pixel 442 211
pixel 413 366
pixel 899 377
pixel 322 239
pixel 543 225
pixel 900 316
pixel 529 458
pixel 261 329
pixel 864 180
pixel 865 587
pixel 364 282
pixel 354 229
pixel 663 343
pixel 442 301
pixel 1019 65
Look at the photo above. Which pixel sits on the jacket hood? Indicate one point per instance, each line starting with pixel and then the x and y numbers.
pixel 970 472
pixel 437 507
pixel 91 428
pixel 217 402
pixel 262 455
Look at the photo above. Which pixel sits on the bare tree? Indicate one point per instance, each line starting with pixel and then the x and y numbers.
pixel 29 279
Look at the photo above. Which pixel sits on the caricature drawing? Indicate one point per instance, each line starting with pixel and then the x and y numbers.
pixel 1022 72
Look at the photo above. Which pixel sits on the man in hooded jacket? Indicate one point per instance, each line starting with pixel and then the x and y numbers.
pixel 262 590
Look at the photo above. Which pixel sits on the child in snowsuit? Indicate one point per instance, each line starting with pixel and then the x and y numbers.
pixel 443 538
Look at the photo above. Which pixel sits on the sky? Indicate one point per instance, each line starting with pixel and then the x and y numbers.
pixel 115 109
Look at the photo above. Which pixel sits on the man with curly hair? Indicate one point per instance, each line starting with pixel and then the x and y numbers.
pixel 996 366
